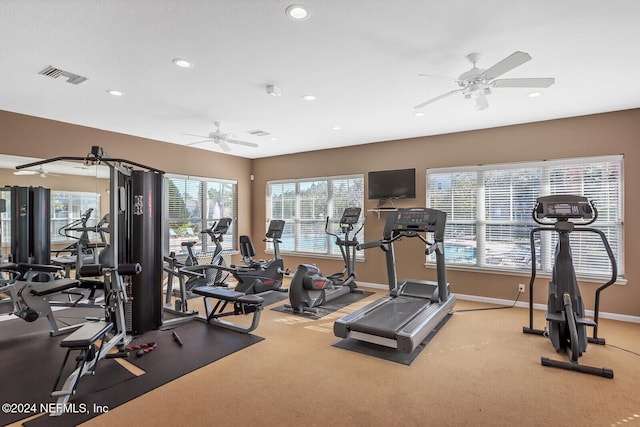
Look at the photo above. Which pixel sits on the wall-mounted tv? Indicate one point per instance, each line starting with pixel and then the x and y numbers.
pixel 392 184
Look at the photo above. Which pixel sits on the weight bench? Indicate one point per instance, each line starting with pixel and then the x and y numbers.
pixel 29 301
pixel 82 340
pixel 242 304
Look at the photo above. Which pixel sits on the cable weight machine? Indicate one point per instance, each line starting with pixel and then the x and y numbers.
pixel 133 270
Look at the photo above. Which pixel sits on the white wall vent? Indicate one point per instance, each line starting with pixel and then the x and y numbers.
pixel 258 132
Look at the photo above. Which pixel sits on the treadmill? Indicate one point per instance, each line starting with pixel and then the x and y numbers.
pixel 413 308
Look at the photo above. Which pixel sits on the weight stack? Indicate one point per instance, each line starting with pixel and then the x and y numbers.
pixel 146 242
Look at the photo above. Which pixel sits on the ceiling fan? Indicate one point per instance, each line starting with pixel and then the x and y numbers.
pixel 40 171
pixel 222 139
pixel 477 83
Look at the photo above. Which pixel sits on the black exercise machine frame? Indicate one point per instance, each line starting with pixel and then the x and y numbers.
pixel 569 228
pixel 113 330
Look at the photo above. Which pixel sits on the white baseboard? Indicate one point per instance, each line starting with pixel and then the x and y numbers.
pixel 524 304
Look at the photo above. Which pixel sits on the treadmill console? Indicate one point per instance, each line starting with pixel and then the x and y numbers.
pixel 564 207
pixel 276 227
pixel 350 216
pixel 416 220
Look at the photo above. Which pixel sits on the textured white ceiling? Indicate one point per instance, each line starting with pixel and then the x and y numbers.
pixel 360 58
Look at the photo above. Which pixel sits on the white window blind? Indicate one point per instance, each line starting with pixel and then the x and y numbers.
pixel 68 206
pixel 489 212
pixel 304 206
pixel 192 205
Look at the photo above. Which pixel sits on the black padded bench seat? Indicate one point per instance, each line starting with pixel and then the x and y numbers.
pixel 88 334
pixel 227 295
pixel 83 340
pixel 41 289
pixel 242 304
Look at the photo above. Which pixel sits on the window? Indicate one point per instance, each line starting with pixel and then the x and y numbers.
pixel 192 205
pixel 68 207
pixel 304 206
pixel 489 212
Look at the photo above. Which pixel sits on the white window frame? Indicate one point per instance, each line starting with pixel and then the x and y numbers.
pixel 294 226
pixel 547 243
pixel 73 213
pixel 204 220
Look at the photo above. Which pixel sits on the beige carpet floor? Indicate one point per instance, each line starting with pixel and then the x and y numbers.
pixel 480 370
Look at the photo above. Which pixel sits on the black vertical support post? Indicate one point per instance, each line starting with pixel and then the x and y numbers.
pixel 146 239
pixel 20 224
pixel 40 225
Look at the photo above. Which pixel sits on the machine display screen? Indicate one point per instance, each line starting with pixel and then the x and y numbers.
pixel 564 209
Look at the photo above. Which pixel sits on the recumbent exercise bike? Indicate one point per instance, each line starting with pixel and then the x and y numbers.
pixel 309 289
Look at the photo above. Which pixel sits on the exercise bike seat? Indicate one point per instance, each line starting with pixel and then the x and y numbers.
pixel 248 251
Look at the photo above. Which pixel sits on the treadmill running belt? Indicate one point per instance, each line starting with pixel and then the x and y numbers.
pixel 387 319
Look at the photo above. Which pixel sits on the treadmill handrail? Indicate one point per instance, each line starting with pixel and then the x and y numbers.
pixel 382 243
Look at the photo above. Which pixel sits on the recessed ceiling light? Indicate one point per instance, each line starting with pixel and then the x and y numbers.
pixel 182 63
pixel 297 12
pixel 336 128
pixel 418 114
pixel 115 92
pixel 274 139
pixel 309 98
pixel 534 94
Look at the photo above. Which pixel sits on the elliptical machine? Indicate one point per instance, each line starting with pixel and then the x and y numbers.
pixel 309 289
pixel 565 310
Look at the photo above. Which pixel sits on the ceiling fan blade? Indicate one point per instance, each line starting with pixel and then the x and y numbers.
pixel 200 142
pixel 225 147
pixel 437 98
pixel 199 136
pixel 507 64
pixel 248 144
pixel 526 82
pixel 435 76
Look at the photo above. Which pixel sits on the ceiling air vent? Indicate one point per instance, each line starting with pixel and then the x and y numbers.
pixel 54 73
pixel 258 132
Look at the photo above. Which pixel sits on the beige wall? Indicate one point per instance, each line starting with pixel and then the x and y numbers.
pixel 34 137
pixel 603 134
pixel 611 133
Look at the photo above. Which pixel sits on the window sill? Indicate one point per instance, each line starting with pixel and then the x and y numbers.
pixel 313 255
pixel 504 272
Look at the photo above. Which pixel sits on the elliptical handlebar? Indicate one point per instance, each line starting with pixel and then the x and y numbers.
pixel 349 217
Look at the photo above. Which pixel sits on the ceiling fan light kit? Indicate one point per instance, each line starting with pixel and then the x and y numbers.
pixel 477 83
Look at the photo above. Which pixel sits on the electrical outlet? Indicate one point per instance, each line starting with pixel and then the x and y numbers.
pixel 521 287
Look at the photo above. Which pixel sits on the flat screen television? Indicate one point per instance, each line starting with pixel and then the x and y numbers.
pixel 392 184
